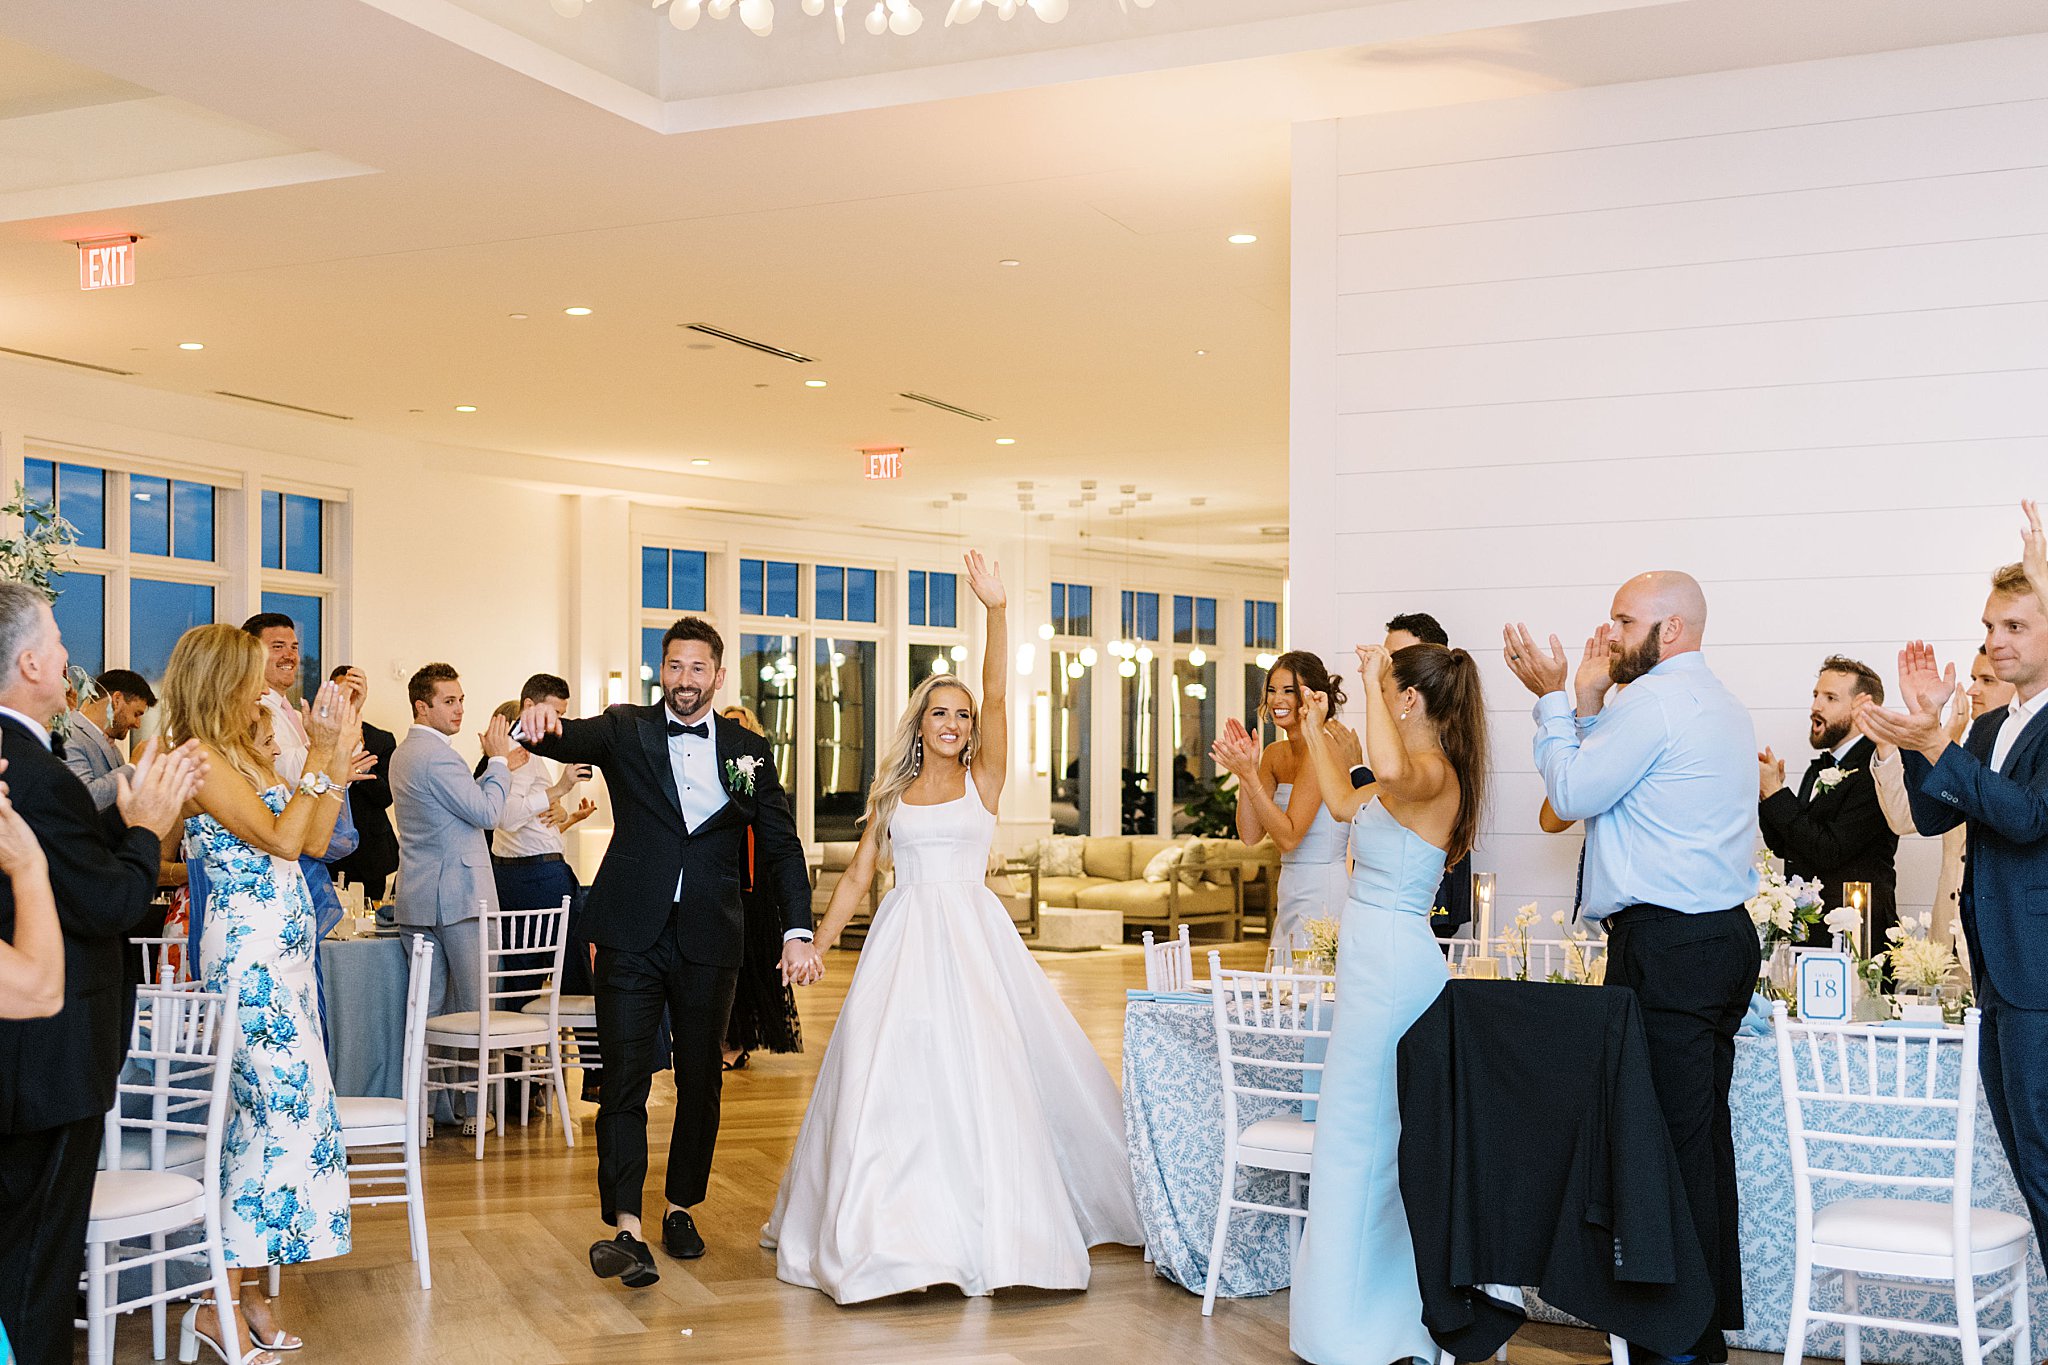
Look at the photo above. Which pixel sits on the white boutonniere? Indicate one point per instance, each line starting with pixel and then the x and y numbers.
pixel 1829 779
pixel 739 773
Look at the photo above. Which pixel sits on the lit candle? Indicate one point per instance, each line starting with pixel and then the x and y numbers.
pixel 1482 905
pixel 1856 895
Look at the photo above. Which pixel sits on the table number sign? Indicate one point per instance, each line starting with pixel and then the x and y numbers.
pixel 1823 992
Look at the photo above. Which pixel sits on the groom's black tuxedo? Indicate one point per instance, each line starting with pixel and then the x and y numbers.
pixel 635 888
pixel 665 916
pixel 1838 835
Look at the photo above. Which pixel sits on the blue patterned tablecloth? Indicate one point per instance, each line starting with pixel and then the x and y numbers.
pixel 1174 1132
pixel 365 980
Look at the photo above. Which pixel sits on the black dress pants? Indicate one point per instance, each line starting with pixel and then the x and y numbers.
pixel 1693 976
pixel 632 991
pixel 46 1183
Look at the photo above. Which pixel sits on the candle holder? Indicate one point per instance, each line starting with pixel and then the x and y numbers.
pixel 1856 895
pixel 1483 964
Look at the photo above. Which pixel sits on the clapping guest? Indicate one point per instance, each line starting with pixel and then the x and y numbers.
pixel 284 1178
pixel 32 963
pixel 279 637
pixel 1834 828
pixel 116 712
pixel 1995 785
pixel 57 1074
pixel 1986 693
pixel 444 816
pixel 369 798
pixel 1280 797
pixel 763 1005
pixel 1663 775
pixel 1453 909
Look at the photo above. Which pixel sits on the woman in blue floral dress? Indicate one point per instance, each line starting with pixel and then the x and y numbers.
pixel 284 1173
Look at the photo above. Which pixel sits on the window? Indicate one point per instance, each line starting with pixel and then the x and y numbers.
pixel 768 587
pixel 1072 720
pixel 305 611
pixel 1141 615
pixel 77 492
pixel 844 594
pixel 1194 727
pixel 650 664
pixel 930 660
pixel 934 599
pixel 673 580
pixel 292 533
pixel 1194 620
pixel 1140 744
pixel 1073 609
pixel 81 611
pixel 1261 625
pixel 170 517
pixel 768 689
pixel 158 613
pixel 845 743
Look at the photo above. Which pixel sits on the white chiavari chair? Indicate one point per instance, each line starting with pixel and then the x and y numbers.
pixel 520 947
pixel 1847 1088
pixel 394 1125
pixel 1169 966
pixel 181 1046
pixel 162 956
pixel 1265 1023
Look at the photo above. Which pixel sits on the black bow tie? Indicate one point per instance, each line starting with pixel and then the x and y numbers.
pixel 1826 760
pixel 702 729
pixel 57 745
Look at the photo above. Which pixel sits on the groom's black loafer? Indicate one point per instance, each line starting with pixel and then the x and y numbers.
pixel 679 1236
pixel 624 1258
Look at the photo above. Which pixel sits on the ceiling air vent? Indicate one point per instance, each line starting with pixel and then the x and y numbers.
pixel 944 406
pixel 60 360
pixel 288 407
pixel 763 347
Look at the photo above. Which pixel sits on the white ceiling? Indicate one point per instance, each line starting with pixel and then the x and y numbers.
pixel 869 239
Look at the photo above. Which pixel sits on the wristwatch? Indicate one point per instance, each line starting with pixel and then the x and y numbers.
pixel 316 784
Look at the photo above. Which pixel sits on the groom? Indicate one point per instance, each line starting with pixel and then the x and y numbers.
pixel 664 915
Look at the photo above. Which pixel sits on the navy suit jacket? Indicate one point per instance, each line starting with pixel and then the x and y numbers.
pixel 2005 866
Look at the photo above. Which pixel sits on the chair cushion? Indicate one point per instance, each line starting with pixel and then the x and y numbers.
pixel 180 1149
pixel 1149 900
pixel 1280 1135
pixel 129 1194
pixel 1915 1226
pixel 1108 858
pixel 1060 891
pixel 571 1004
pixel 369 1111
pixel 503 1022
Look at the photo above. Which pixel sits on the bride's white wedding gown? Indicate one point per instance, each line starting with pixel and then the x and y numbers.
pixel 963 1130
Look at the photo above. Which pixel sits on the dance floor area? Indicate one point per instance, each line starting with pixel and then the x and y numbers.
pixel 512 1284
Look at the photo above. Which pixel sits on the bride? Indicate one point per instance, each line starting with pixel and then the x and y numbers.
pixel 963 1130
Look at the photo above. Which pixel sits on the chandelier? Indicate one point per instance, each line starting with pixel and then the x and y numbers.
pixel 900 17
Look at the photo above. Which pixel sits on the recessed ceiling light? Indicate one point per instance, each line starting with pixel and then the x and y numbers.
pixel 1009 262
pixel 1006 440
pixel 1242 238
pixel 700 463
pixel 1201 353
pixel 465 407
pixel 814 383
pixel 191 345
pixel 580 312
pixel 516 317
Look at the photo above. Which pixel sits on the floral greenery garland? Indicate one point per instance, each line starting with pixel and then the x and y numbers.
pixel 41 550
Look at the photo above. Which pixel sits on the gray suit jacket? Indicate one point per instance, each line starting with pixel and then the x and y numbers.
pixel 444 818
pixel 90 754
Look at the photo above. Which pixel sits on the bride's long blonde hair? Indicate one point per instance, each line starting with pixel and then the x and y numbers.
pixel 903 759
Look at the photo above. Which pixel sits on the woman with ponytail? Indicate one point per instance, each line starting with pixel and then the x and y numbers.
pixel 1279 797
pixel 1355 1295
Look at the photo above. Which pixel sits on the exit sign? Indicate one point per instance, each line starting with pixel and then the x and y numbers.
pixel 106 262
pixel 885 464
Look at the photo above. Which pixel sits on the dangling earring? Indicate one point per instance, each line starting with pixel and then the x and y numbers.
pixel 1404 713
pixel 917 756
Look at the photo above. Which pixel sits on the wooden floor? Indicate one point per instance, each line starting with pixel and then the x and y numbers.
pixel 512 1282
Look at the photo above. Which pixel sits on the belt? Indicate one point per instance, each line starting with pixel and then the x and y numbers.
pixel 531 860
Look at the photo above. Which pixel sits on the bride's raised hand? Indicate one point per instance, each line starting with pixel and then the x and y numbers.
pixel 985 579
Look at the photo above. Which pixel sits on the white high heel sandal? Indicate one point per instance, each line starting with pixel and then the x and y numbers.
pixel 189 1338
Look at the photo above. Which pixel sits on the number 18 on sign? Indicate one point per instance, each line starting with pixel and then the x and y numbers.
pixel 884 462
pixel 1823 987
pixel 106 262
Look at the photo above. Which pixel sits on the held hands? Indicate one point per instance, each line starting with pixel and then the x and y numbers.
pixel 1541 673
pixel 19 850
pixel 497 736
pixel 331 718
pixel 984 577
pixel 1236 750
pixel 1770 774
pixel 155 795
pixel 802 964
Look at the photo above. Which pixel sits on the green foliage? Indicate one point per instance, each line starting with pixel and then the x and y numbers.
pixel 1212 809
pixel 42 548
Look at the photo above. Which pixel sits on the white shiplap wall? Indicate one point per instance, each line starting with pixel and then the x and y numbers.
pixel 1784 328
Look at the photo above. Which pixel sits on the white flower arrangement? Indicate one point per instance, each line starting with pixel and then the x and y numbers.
pixel 1844 920
pixel 1516 939
pixel 1829 778
pixel 1582 964
pixel 1916 959
pixel 1323 934
pixel 1782 910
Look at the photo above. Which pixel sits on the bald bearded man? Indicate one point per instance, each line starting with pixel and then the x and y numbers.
pixel 1665 778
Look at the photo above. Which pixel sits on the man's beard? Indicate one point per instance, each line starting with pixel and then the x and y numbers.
pixel 687 701
pixel 1630 664
pixel 1831 736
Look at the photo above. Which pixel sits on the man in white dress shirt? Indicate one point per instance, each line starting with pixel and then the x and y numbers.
pixel 443 817
pixel 96 727
pixel 279 636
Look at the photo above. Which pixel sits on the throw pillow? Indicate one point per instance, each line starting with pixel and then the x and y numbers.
pixel 1059 855
pixel 1164 862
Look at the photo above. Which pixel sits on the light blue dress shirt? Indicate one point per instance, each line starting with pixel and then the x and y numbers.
pixel 1665 779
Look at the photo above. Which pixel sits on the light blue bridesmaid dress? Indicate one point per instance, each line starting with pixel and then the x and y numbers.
pixel 1311 875
pixel 1355 1299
